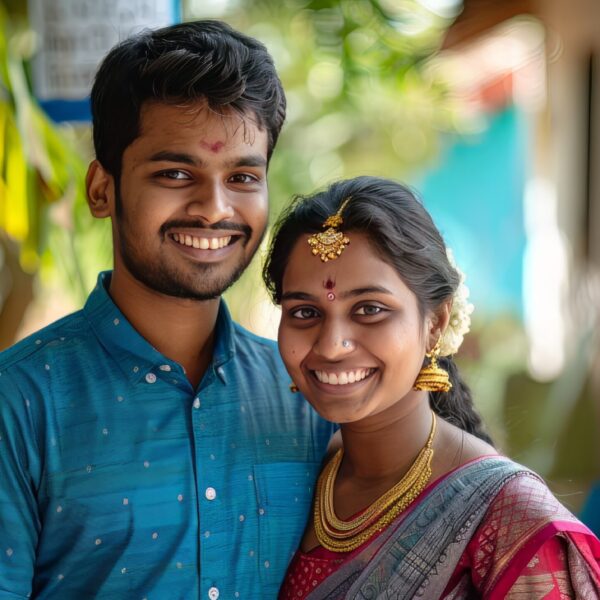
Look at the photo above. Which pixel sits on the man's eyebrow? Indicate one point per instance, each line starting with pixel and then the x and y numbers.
pixel 176 157
pixel 249 160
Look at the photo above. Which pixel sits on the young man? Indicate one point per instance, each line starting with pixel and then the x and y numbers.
pixel 150 446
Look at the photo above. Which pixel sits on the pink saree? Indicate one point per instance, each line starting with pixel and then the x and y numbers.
pixel 490 529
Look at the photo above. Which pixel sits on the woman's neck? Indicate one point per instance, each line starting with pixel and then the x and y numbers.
pixel 385 446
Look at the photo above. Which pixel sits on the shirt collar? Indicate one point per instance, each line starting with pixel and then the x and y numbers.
pixel 224 336
pixel 134 355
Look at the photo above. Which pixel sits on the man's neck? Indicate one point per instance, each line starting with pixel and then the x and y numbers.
pixel 180 329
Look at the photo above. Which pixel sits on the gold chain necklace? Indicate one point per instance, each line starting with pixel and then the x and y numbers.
pixel 344 536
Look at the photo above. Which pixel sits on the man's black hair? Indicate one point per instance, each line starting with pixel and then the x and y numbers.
pixel 179 64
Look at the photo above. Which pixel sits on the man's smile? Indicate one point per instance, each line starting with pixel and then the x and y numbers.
pixel 206 246
pixel 204 243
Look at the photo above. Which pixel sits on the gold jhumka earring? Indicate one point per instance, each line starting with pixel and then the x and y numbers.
pixel 432 378
pixel 329 244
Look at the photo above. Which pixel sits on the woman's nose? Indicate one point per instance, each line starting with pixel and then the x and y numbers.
pixel 334 342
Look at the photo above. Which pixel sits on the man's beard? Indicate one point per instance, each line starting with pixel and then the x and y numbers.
pixel 199 282
pixel 202 285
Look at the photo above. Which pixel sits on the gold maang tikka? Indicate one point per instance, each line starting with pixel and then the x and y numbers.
pixel 329 244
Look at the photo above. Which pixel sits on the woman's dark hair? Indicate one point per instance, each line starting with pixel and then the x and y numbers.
pixel 403 234
pixel 200 60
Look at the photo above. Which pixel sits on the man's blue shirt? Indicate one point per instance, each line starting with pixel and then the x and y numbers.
pixel 119 480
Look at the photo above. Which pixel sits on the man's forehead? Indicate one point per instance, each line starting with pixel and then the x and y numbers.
pixel 225 120
pixel 196 128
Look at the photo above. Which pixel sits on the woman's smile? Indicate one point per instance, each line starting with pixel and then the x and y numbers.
pixel 347 382
pixel 343 377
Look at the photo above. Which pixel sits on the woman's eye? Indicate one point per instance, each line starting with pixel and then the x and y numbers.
pixel 369 310
pixel 304 313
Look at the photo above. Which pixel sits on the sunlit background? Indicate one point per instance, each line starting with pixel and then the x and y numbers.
pixel 490 108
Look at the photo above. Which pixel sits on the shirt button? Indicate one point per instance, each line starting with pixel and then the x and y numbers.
pixel 210 493
pixel 166 368
pixel 196 403
pixel 150 377
pixel 213 593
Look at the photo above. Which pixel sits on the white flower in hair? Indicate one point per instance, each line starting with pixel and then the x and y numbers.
pixel 460 315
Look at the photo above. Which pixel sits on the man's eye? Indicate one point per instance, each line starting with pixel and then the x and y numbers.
pixel 304 313
pixel 174 175
pixel 369 310
pixel 243 178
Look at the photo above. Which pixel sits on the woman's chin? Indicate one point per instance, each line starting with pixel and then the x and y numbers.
pixel 336 412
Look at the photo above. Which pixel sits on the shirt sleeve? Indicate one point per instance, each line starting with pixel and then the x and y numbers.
pixel 19 470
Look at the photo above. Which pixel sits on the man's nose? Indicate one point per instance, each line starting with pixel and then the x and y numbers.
pixel 211 203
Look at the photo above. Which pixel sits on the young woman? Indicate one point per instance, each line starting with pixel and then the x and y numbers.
pixel 416 502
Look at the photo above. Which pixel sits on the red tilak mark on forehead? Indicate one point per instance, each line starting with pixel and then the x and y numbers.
pixel 214 147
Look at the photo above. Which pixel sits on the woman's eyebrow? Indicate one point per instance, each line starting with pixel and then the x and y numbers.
pixel 298 296
pixel 374 289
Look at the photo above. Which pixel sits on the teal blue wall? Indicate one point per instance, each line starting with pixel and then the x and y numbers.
pixel 475 195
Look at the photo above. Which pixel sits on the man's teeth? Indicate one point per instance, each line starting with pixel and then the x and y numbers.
pixel 343 377
pixel 192 241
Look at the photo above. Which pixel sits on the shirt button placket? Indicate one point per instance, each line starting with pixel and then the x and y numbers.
pixel 209 492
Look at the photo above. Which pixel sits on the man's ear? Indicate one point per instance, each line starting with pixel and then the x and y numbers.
pixel 99 184
pixel 437 322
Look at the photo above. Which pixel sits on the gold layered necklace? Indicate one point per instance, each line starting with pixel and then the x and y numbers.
pixel 344 536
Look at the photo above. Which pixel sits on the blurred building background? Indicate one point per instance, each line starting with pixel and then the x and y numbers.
pixel 490 108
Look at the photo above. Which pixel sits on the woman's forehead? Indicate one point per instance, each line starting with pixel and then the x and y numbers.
pixel 360 265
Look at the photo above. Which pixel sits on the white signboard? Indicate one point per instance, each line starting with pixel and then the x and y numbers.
pixel 74 36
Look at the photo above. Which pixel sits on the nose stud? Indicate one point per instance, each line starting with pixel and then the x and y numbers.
pixel 346 344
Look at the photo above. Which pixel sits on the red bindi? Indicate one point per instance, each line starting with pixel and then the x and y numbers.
pixel 329 285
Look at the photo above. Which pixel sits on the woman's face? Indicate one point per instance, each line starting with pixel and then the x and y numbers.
pixel 361 299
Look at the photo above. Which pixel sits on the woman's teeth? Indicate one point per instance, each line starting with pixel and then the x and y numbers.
pixel 192 241
pixel 343 377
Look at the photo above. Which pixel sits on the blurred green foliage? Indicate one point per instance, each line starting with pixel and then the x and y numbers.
pixel 42 171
